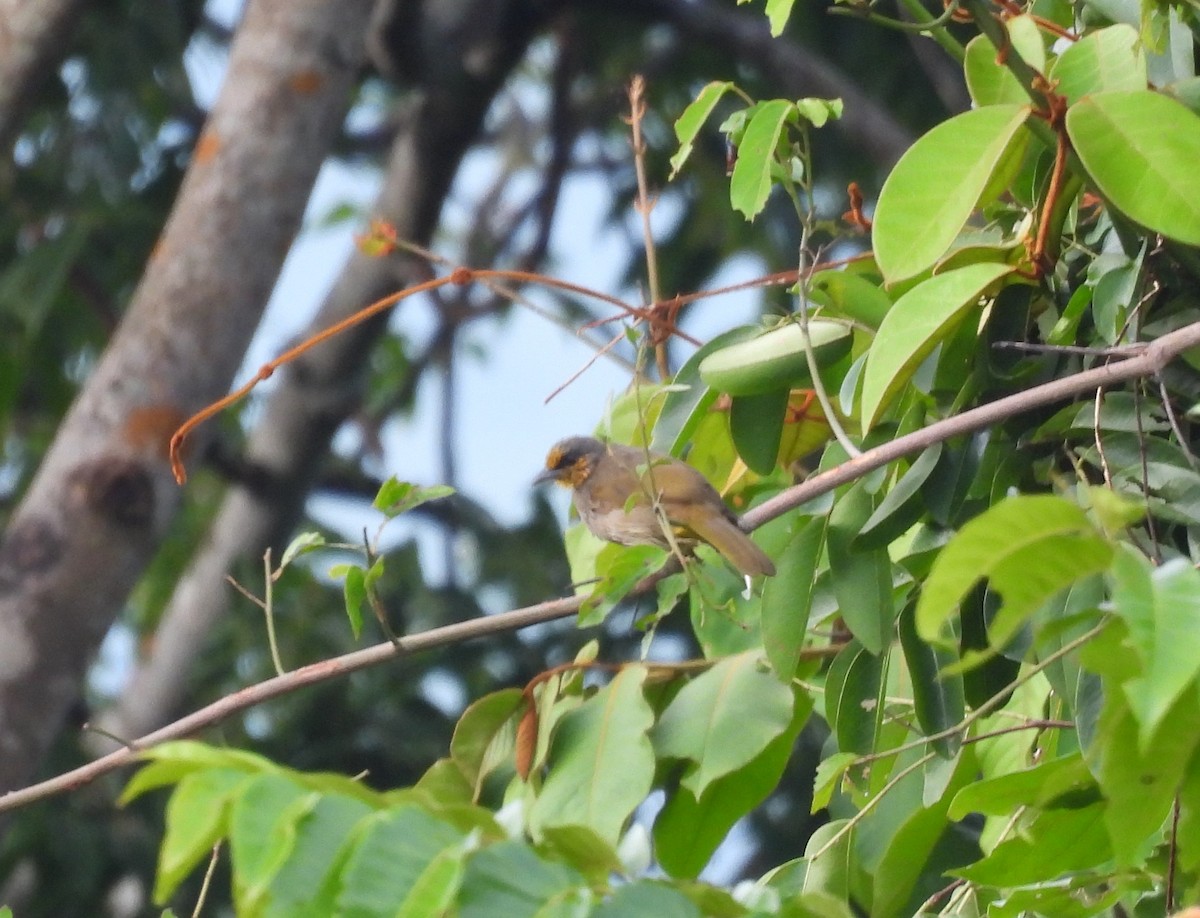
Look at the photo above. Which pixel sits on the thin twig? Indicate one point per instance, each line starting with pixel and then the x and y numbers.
pixel 1151 525
pixel 643 205
pixel 269 611
pixel 1098 437
pixel 208 875
pixel 1173 420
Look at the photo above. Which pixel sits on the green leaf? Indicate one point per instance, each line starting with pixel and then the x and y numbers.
pixel 901 506
pixel 816 112
pixel 911 854
pixel 171 762
pixel 751 180
pixel 723 719
pixel 601 762
pixel 688 402
pixel 1141 148
pixel 320 834
pixel 861 580
pixel 1039 786
pixel 787 599
pixel 646 897
pixel 1161 606
pixel 756 426
pixel 262 831
pixel 508 880
pixel 396 497
pixel 921 319
pixel 354 590
pixel 829 775
pixel 849 295
pixel 988 80
pixel 404 861
pixel 1106 59
pixel 960 165
pixel 778 12
pixel 1030 547
pixel 852 698
pixel 688 830
pixel 485 734
pixel 301 545
pixel 1140 786
pixel 938 700
pixel 620 569
pixel 195 821
pixel 1057 843
pixel 688 125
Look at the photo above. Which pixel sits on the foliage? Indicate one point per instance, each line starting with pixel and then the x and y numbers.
pixel 994 640
pixel 999 633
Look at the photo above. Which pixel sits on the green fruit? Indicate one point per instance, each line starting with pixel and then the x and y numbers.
pixel 775 359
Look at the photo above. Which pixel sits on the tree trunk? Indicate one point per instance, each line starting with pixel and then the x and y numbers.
pixel 104 496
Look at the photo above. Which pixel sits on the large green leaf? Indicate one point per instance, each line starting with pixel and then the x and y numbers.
pixel 197 815
pixel 688 830
pixel 262 831
pixel 302 886
pixel 937 699
pixel 861 580
pixel 508 880
pixel 1107 59
pixel 647 897
pixel 688 124
pixel 1141 147
pixel 601 761
pixel 723 719
pixel 989 81
pixel 940 181
pixel 404 860
pixel 852 698
pixel 906 861
pixel 1038 786
pixel 756 426
pixel 1140 786
pixel 1162 609
pixel 485 734
pixel 1029 547
pixel 1057 843
pixel 787 598
pixel 920 320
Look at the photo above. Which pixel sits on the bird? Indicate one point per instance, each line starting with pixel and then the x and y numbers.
pixel 615 488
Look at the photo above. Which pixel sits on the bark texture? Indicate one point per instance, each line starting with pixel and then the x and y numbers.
pixel 104 495
pixel 318 392
pixel 33 39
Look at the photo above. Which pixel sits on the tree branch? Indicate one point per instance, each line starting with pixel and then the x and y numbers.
pixel 1150 362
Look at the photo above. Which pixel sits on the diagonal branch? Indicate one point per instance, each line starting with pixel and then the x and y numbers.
pixel 1149 362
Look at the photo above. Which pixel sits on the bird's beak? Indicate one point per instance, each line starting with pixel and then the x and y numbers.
pixel 547 475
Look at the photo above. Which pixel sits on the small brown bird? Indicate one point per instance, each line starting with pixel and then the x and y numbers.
pixel 614 488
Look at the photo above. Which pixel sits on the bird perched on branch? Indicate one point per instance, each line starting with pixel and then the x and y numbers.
pixel 616 489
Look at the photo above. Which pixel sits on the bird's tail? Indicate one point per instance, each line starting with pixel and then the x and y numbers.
pixel 725 536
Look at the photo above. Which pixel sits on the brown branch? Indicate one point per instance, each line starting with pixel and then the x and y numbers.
pixel 1157 355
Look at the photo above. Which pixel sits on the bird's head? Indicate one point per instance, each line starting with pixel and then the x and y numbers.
pixel 571 461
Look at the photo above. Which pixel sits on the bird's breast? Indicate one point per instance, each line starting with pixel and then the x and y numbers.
pixel 638 526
